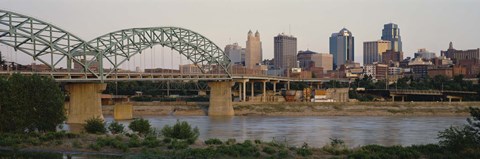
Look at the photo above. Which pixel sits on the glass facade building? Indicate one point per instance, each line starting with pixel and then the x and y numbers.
pixel 342 47
pixel 391 33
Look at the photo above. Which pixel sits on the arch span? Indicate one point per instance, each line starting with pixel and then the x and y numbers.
pixel 42 41
pixel 126 43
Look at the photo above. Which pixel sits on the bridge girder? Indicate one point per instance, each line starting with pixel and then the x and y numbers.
pixel 198 49
pixel 52 45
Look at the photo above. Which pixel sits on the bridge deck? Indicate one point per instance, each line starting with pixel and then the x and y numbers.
pixel 135 76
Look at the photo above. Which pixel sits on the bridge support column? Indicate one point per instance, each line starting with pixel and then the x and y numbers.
pixel 240 91
pixel 274 87
pixel 85 101
pixel 252 90
pixel 264 91
pixel 220 99
pixel 244 91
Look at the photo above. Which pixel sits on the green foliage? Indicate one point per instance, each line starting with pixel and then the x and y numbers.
pixel 214 141
pixel 151 142
pixel 35 139
pixel 167 140
pixel 239 150
pixel 178 145
pixel 376 151
pixel 282 153
pixel 336 146
pixel 116 142
pixel 95 126
pixel 116 128
pixel 150 88
pixel 269 150
pixel 258 141
pixel 134 141
pixel 463 138
pixel 140 125
pixel 30 103
pixel 76 144
pixel 304 150
pixel 181 130
pixel 426 83
pixel 94 146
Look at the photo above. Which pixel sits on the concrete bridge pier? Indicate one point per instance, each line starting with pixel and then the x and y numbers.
pixel 242 89
pixel 85 101
pixel 221 98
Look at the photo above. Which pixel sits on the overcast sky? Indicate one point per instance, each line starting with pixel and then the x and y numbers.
pixel 429 24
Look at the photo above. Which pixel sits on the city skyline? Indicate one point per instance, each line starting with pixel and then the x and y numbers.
pixel 309 21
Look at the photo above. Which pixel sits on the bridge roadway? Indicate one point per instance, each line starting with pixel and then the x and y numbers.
pixel 79 77
pixel 449 94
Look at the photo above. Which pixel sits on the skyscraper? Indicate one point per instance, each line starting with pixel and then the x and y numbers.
pixel 391 33
pixel 253 50
pixel 342 47
pixel 373 50
pixel 236 53
pixel 285 51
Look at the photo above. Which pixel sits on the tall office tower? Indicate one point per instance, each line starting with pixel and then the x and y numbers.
pixel 342 47
pixel 285 51
pixel 372 51
pixel 391 33
pixel 236 53
pixel 253 50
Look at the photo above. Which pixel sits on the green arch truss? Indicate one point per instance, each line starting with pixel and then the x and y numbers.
pixel 53 46
pixel 121 45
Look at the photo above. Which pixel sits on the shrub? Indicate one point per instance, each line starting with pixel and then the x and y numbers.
pixel 142 126
pixel 258 141
pixel 151 142
pixel 112 142
pixel 239 150
pixel 76 144
pixel 213 142
pixel 178 145
pixel 336 147
pixel 269 150
pixel 181 130
pixel 116 128
pixel 134 142
pixel 95 126
pixel 282 153
pixel 231 141
pixel 94 146
pixel 304 150
pixel 465 137
pixel 167 140
pixel 376 151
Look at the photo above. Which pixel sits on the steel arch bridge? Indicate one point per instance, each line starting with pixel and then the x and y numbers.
pixel 53 46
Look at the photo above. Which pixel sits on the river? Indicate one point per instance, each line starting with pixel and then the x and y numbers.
pixel 317 130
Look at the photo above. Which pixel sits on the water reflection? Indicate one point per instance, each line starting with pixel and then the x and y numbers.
pixel 316 131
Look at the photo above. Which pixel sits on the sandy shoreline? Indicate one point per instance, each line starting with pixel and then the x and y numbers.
pixel 307 109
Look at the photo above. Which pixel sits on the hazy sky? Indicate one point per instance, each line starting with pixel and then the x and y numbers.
pixel 430 24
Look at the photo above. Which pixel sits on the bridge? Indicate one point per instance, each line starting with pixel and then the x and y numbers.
pixel 55 47
pixel 402 93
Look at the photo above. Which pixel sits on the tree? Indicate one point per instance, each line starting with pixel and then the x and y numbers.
pixel 463 138
pixel 30 103
pixel 181 130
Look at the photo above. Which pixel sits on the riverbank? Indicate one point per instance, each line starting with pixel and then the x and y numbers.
pixel 125 146
pixel 307 109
